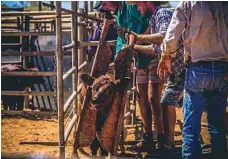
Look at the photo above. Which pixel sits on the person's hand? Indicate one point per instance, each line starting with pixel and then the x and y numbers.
pixel 164 66
pixel 131 38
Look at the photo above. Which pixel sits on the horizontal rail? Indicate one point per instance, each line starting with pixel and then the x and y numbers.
pixel 26 93
pixel 11 44
pixel 36 17
pixel 70 127
pixel 28 53
pixel 11 27
pixel 27 112
pixel 69 46
pixel 69 72
pixel 81 14
pixel 30 13
pixel 11 62
pixel 95 43
pixel 24 73
pixel 32 33
pixel 82 65
pixel 133 89
pixel 65 12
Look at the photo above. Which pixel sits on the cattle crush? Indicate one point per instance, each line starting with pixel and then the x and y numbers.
pixel 49 92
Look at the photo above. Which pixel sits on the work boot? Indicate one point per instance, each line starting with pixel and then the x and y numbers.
pixel 160 142
pixel 146 144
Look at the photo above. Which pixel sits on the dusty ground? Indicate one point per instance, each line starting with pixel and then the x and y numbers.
pixel 19 135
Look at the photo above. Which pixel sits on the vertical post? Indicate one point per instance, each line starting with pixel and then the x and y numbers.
pixel 53 22
pixel 21 37
pixel 60 79
pixel 74 35
pixel 39 6
pixel 25 45
pixel 134 94
pixel 86 20
pixel 52 3
pixel 90 6
pixel 39 9
pixel 81 52
pixel 26 62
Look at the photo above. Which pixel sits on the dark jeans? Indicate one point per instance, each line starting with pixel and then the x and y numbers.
pixel 206 88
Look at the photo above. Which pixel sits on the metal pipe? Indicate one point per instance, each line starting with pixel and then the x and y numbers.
pixel 126 115
pixel 81 15
pixel 70 127
pixel 67 11
pixel 59 58
pixel 29 13
pixel 26 93
pixel 79 88
pixel 94 43
pixel 82 65
pixel 69 72
pixel 23 73
pixel 90 6
pixel 81 53
pixel 11 44
pixel 68 47
pixel 32 33
pixel 34 53
pixel 74 37
pixel 30 112
pixel 133 89
pixel 69 101
pixel 47 17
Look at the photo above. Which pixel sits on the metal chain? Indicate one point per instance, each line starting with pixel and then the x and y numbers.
pixel 55 85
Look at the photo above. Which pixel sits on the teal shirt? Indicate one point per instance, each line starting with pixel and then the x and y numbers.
pixel 132 19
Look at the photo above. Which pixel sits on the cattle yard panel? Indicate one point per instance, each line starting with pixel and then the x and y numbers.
pixel 77 65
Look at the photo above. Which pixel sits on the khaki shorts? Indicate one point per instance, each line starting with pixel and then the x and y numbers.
pixel 149 74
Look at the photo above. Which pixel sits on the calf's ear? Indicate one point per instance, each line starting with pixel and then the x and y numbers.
pixel 87 79
pixel 122 83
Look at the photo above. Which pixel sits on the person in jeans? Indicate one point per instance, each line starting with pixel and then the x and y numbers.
pixel 206 79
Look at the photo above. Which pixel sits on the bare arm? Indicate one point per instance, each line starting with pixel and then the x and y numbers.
pixel 151 38
pixel 144 50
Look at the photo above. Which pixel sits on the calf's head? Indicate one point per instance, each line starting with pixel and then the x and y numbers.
pixel 103 89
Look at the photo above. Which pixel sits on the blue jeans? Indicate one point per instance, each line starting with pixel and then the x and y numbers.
pixel 206 88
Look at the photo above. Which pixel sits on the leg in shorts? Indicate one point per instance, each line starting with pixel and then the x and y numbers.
pixel 150 86
pixel 172 93
pixel 169 100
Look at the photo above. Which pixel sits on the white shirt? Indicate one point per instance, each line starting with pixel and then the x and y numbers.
pixel 204 27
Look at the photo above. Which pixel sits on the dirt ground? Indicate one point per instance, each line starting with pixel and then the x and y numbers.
pixel 26 136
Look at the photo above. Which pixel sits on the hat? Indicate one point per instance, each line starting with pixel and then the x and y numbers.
pixel 97 4
pixel 136 2
pixel 132 2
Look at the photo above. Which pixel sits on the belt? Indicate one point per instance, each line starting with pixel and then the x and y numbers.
pixel 209 63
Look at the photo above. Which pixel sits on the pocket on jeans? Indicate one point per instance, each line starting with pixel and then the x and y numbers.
pixel 223 77
pixel 195 81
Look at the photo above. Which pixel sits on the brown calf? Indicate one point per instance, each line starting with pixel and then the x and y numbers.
pixel 102 92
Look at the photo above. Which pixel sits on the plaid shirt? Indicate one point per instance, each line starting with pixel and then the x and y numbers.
pixel 159 23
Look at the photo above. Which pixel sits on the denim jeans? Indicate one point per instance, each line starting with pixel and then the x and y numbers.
pixel 206 88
